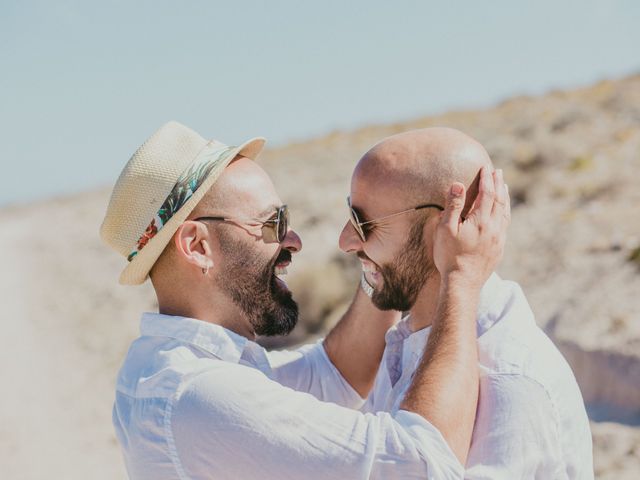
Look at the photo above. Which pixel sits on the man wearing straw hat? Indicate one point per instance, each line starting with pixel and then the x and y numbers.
pixel 197 398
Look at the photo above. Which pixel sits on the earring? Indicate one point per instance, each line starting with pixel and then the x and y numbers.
pixel 205 270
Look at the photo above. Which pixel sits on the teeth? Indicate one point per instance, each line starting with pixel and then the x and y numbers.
pixel 369 268
pixel 281 270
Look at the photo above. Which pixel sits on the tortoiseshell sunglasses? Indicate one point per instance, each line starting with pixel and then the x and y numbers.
pixel 357 224
pixel 273 230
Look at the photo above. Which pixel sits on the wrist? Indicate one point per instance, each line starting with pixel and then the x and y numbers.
pixel 460 281
pixel 458 302
pixel 459 289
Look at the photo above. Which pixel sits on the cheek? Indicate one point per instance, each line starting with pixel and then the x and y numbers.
pixel 381 249
pixel 253 256
pixel 270 254
pixel 428 238
pixel 263 249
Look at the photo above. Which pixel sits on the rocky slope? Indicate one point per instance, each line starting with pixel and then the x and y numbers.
pixel 572 160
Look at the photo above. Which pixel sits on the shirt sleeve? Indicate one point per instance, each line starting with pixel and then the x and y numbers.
pixel 235 423
pixel 516 431
pixel 309 369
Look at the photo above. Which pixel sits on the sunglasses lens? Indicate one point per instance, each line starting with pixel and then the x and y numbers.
pixel 283 223
pixel 355 221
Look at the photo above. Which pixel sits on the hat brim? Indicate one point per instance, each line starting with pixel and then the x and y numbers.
pixel 137 271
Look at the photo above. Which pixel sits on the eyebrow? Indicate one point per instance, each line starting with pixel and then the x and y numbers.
pixel 367 219
pixel 361 216
pixel 270 209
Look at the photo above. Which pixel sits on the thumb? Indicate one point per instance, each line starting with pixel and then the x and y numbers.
pixel 453 206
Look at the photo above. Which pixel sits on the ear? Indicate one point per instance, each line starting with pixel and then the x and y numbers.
pixel 472 194
pixel 193 244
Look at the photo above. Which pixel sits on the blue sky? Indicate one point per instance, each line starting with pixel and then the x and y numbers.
pixel 83 83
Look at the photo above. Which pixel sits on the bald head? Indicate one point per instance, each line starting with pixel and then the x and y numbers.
pixel 243 189
pixel 420 165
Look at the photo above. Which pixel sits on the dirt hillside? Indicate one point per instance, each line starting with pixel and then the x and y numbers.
pixel 572 160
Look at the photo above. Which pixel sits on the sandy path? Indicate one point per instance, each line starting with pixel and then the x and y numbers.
pixel 54 412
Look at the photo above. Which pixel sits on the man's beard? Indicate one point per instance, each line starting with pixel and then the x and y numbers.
pixel 251 284
pixel 406 275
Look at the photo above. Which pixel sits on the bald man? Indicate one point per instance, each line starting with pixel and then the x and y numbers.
pixel 531 420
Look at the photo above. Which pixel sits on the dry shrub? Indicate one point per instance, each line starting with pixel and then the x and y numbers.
pixel 581 163
pixel 320 290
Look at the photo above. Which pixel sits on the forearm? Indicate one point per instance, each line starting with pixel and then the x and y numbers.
pixel 465 252
pixel 445 386
pixel 355 345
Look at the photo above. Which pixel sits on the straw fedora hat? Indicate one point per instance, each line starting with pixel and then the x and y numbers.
pixel 158 188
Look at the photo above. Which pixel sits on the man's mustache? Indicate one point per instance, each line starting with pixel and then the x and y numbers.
pixel 283 256
pixel 363 256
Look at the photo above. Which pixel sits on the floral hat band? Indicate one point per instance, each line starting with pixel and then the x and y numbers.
pixel 158 188
pixel 183 190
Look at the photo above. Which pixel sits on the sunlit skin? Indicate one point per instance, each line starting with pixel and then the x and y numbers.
pixel 404 171
pixel 243 190
pixel 415 168
pixel 187 283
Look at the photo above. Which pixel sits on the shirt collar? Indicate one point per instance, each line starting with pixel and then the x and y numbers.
pixel 218 341
pixel 496 298
pixel 398 332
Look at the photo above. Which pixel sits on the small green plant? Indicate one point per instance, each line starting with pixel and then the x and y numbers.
pixel 634 256
pixel 580 164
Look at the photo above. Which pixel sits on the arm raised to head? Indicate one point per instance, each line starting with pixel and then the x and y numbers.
pixel 445 387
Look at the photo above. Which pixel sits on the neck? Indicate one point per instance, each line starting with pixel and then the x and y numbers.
pixel 424 310
pixel 201 304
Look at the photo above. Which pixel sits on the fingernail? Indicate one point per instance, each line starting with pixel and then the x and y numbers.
pixel 456 189
pixel 506 187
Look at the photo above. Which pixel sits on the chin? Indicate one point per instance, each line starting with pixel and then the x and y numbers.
pixel 281 318
pixel 398 305
pixel 390 298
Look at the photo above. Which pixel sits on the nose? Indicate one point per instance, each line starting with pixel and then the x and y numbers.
pixel 292 241
pixel 349 240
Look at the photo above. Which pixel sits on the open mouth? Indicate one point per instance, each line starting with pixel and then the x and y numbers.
pixel 279 272
pixel 281 263
pixel 371 272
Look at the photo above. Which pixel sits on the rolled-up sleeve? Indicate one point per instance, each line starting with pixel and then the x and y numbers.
pixel 235 423
pixel 309 369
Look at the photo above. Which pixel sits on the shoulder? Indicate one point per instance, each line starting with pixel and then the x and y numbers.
pixel 157 366
pixel 225 397
pixel 514 386
pixel 516 427
pixel 219 382
pixel 516 398
pixel 522 354
pixel 523 425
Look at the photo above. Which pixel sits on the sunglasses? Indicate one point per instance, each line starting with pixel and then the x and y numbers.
pixel 273 230
pixel 357 224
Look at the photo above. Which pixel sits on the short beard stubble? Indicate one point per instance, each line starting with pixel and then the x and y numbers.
pixel 406 275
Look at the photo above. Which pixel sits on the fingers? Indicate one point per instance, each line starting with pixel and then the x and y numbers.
pixel 501 213
pixel 507 200
pixel 453 207
pixel 483 205
pixel 501 193
pixel 502 203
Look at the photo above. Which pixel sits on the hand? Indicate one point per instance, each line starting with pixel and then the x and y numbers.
pixel 470 249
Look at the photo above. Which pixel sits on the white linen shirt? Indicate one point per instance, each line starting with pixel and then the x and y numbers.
pixel 531 421
pixel 196 401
